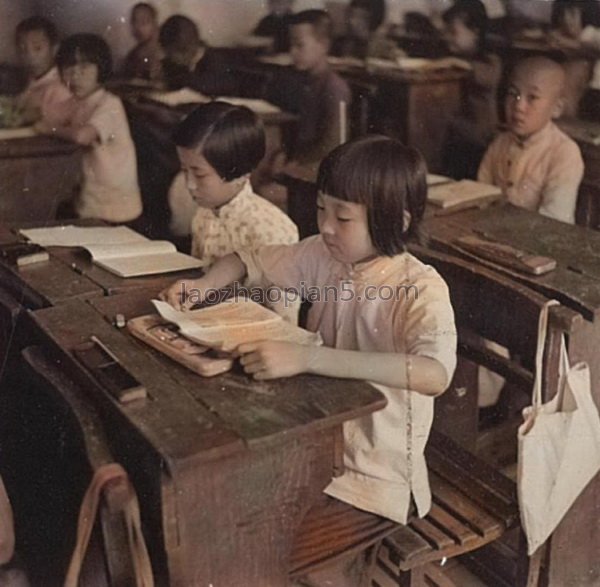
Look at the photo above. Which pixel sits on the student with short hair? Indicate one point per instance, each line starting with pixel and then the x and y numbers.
pixel 537 165
pixel 45 95
pixel 143 61
pixel 318 129
pixel 384 317
pixel 276 24
pixel 190 62
pixel 96 120
pixel 219 145
pixel 472 129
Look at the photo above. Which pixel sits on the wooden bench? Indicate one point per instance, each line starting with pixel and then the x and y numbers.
pixel 473 503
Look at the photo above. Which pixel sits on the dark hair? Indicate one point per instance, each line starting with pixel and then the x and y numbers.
pixel 319 20
pixel 86 48
pixel 145 6
pixel 375 8
pixel 590 12
pixel 231 138
pixel 384 175
pixel 473 15
pixel 179 33
pixel 37 23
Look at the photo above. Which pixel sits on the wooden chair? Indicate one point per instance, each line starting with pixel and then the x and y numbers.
pixel 473 503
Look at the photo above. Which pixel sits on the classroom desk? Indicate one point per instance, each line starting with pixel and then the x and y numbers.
pixel 414 106
pixel 225 468
pixel 576 284
pixel 37 174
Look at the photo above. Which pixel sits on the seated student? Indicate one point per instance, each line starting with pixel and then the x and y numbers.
pixel 576 25
pixel 537 166
pixel 189 62
pixel 404 344
pixel 143 61
pixel 471 131
pixel 219 145
pixel 318 129
pixel 96 120
pixel 364 37
pixel 45 94
pixel 276 24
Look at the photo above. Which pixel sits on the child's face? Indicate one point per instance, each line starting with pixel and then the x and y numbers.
pixel 36 52
pixel 81 78
pixel 358 22
pixel 460 38
pixel 532 100
pixel 308 52
pixel 203 182
pixel 143 25
pixel 345 229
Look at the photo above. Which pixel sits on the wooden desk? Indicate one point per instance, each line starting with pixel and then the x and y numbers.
pixel 225 468
pixel 37 174
pixel 576 284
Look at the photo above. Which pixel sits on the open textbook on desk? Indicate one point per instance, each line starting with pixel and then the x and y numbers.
pixel 117 249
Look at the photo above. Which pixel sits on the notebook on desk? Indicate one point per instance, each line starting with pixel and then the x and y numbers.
pixel 461 194
pixel 117 249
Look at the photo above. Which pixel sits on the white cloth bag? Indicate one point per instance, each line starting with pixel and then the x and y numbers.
pixel 559 445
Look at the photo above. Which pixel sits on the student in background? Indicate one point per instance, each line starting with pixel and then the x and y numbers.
pixel 189 62
pixel 96 120
pixel 319 125
pixel 219 145
pixel 405 345
pixel 537 166
pixel 471 131
pixel 364 37
pixel 276 24
pixel 143 61
pixel 576 26
pixel 45 94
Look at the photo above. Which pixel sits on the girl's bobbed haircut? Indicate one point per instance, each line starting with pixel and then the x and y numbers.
pixel 86 48
pixel 389 178
pixel 179 33
pixel 231 138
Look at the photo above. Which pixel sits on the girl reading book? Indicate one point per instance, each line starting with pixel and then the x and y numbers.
pixel 384 317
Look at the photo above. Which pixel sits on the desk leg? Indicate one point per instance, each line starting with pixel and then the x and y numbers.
pixel 231 522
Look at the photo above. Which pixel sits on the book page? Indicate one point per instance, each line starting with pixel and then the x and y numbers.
pixel 458 192
pixel 80 236
pixel 177 97
pixel 134 249
pixel 257 106
pixel 233 322
pixel 24 132
pixel 435 179
pixel 136 266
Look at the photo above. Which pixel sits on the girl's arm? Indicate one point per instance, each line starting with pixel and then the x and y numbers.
pixel 185 293
pixel 274 359
pixel 85 135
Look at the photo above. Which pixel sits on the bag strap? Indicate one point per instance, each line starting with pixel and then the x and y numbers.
pixel 539 353
pixel 114 475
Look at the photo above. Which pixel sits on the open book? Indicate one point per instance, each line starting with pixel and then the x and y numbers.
pixel 464 193
pixel 118 249
pixel 233 322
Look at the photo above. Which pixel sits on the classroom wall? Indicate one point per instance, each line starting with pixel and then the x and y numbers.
pixel 12 12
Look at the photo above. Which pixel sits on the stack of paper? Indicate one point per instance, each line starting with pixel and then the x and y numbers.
pixel 462 193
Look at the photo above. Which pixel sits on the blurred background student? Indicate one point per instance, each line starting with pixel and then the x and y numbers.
pixel 276 24
pixel 143 61
pixel 470 132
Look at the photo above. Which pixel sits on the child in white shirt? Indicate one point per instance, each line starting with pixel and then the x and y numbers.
pixel 97 121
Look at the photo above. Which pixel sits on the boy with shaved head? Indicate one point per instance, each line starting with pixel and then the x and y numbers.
pixel 537 166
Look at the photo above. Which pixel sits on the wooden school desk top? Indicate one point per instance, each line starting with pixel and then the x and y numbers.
pixel 225 468
pixel 37 146
pixel 576 280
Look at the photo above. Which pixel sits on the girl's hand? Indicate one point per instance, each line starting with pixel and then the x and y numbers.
pixel 271 359
pixel 184 293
